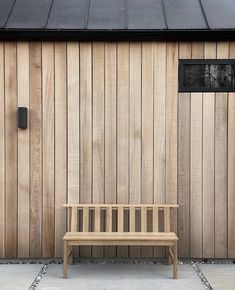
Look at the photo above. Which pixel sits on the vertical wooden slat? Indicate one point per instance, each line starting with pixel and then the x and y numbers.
pixel 155 219
pixel 35 115
pixel 143 219
pixel 97 219
pixel 132 213
pixel 171 122
pixel 167 219
pixel 85 219
pixel 123 72
pixel 135 129
pixel 208 163
pixel 48 242
pixel 196 165
pixel 74 219
pixel 11 149
pixel 73 121
pixel 120 219
pixel 196 175
pixel 109 219
pixel 184 161
pixel 2 154
pixel 221 137
pixel 231 166
pixel 160 131
pixel 98 130
pixel 60 145
pixel 110 128
pixel 23 151
pixel 85 127
pixel 147 130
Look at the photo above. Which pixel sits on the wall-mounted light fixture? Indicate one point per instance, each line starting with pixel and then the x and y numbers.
pixel 22 117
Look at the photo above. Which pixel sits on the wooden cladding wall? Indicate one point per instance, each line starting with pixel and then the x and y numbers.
pixel 107 125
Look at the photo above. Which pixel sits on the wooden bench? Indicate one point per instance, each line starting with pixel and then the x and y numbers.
pixel 106 224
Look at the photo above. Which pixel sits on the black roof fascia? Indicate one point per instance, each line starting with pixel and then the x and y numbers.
pixel 117 35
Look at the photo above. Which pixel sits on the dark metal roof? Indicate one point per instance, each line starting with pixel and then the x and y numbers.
pixel 87 18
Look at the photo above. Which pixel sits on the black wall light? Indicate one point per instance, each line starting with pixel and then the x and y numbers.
pixel 22 117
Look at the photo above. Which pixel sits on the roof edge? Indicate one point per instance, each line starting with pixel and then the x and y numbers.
pixel 116 35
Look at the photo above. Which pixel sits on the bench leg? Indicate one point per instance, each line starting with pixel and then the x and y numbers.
pixel 65 259
pixel 175 261
pixel 169 255
pixel 70 253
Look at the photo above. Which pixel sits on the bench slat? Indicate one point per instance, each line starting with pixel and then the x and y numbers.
pixel 132 219
pixel 166 220
pixel 74 219
pixel 155 220
pixel 97 219
pixel 109 219
pixel 120 219
pixel 143 219
pixel 85 221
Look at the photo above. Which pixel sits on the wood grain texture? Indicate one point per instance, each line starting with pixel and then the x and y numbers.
pixel 159 130
pixel 98 130
pixel 2 154
pixel 123 85
pixel 60 144
pixel 85 127
pixel 135 129
pixel 208 163
pixel 184 107
pixel 196 176
pixel 147 129
pixel 73 120
pixel 35 117
pixel 23 151
pixel 221 122
pixel 231 165
pixel 48 242
pixel 11 148
pixel 110 129
pixel 196 165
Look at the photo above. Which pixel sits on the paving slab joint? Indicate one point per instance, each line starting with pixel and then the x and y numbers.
pixel 201 276
pixel 39 277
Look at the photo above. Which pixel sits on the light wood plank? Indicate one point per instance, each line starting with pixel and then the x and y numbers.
pixel 123 99
pixel 160 131
pixel 73 120
pixel 97 219
pixel 74 219
pixel 208 163
pixel 196 175
pixel 60 144
pixel 147 129
pixel 2 154
pixel 185 52
pixel 132 218
pixel 48 243
pixel 85 219
pixel 98 130
pixel 109 218
pixel 143 219
pixel 221 162
pixel 85 127
pixel 155 220
pixel 23 151
pixel 120 219
pixel 11 149
pixel 135 129
pixel 35 117
pixel 110 128
pixel 231 166
pixel 167 225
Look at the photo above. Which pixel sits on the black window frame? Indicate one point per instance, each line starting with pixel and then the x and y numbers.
pixel 183 62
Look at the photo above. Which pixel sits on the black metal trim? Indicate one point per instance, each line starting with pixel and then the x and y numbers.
pixel 116 35
pixel 182 62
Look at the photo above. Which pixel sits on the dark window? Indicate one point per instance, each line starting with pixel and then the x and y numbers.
pixel 207 75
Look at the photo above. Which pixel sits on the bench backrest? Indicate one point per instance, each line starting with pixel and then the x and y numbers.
pixel 120 217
